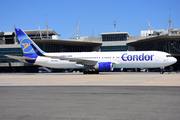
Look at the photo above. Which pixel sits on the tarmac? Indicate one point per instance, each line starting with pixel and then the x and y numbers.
pixel 79 79
pixel 74 96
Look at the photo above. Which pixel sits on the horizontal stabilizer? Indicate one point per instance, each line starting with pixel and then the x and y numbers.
pixel 19 57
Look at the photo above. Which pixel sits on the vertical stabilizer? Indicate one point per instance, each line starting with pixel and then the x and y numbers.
pixel 26 42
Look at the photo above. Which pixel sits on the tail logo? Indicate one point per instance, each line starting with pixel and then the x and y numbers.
pixel 26 45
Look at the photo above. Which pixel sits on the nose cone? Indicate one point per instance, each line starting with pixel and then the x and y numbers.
pixel 174 60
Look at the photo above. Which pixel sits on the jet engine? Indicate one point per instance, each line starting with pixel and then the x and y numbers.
pixel 104 66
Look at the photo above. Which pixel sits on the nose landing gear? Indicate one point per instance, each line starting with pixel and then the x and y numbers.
pixel 162 70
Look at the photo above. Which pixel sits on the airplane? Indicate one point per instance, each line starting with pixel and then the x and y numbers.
pixel 91 62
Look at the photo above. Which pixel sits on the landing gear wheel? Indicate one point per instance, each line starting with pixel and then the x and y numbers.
pixel 162 71
pixel 91 72
pixel 97 72
pixel 85 72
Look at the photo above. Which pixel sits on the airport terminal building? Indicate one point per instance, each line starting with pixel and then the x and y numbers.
pixel 48 41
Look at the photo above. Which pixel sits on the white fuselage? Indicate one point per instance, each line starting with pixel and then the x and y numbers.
pixel 129 59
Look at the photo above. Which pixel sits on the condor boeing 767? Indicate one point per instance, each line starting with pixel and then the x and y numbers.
pixel 95 61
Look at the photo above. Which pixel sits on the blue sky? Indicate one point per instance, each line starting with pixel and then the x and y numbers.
pixel 62 15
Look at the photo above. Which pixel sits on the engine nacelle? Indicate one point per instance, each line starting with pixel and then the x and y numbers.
pixel 104 66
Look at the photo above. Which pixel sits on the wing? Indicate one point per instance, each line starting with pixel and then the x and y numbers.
pixel 78 61
pixel 19 58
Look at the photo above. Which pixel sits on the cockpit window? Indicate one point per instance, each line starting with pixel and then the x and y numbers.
pixel 169 56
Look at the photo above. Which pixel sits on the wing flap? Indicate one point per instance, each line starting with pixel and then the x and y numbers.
pixel 78 61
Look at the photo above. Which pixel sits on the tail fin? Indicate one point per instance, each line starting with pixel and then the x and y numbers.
pixel 38 51
pixel 26 46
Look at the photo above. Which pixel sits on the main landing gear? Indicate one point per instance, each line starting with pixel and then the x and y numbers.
pixel 91 71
